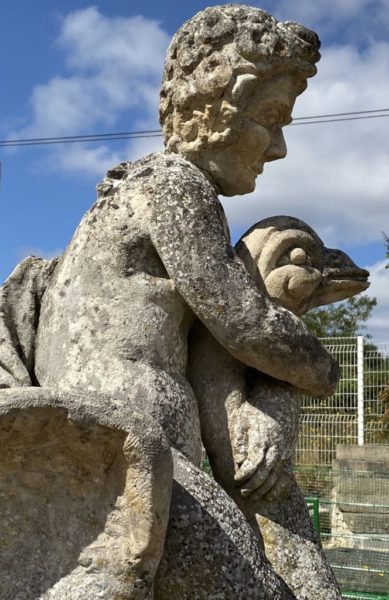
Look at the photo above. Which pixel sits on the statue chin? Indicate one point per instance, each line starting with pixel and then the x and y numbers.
pixel 238 188
pixel 233 183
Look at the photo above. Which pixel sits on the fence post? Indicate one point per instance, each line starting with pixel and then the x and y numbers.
pixel 361 431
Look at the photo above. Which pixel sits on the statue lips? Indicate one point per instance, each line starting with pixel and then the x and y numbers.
pixel 341 276
pixel 256 168
pixel 357 276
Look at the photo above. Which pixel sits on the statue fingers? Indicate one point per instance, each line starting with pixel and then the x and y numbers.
pixel 270 483
pixel 263 472
pixel 249 467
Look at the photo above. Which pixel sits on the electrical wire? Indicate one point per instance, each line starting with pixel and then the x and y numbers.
pixel 82 138
pixel 91 135
pixel 338 120
pixel 357 112
pixel 153 133
pixel 76 139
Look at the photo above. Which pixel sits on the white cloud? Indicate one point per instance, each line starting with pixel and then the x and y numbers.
pixel 114 65
pixel 331 10
pixel 94 161
pixel 84 160
pixel 336 176
pixel 23 251
pixel 346 20
pixel 142 147
pixel 66 106
pixel 98 43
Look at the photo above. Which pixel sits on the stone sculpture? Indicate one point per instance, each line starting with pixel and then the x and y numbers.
pixel 250 428
pixel 75 484
pixel 101 335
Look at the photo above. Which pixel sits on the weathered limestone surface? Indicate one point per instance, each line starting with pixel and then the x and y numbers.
pixel 105 328
pixel 250 427
pixel 85 494
pixel 157 241
pixel 231 77
pixel 89 486
pixel 210 549
pixel 20 299
pixel 112 261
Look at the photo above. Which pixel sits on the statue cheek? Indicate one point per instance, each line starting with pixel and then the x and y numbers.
pixel 277 285
pixel 256 137
pixel 303 283
pixel 290 285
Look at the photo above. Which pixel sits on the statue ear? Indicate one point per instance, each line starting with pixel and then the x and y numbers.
pixel 213 74
pixel 243 86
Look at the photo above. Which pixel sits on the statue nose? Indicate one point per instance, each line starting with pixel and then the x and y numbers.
pixel 277 147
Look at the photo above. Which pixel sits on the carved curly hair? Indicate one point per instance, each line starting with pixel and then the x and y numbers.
pixel 217 54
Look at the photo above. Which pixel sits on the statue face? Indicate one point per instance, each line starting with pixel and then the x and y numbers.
pixel 235 166
pixel 298 271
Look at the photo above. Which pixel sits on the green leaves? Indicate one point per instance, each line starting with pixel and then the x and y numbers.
pixel 386 242
pixel 346 319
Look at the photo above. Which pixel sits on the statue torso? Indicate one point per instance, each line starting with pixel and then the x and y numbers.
pixel 112 320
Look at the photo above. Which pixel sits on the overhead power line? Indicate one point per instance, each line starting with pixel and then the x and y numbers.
pixel 151 133
pixel 338 120
pixel 89 136
pixel 81 138
pixel 357 112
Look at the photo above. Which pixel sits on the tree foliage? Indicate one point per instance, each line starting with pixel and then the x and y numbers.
pixel 341 320
pixel 386 242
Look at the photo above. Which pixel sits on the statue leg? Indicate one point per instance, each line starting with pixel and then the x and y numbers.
pixel 122 561
pixel 285 532
pixel 210 549
pixel 291 543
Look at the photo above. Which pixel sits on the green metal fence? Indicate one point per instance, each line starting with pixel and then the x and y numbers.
pixel 350 509
pixel 356 413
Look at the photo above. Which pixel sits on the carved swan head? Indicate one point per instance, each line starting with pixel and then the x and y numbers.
pixel 299 272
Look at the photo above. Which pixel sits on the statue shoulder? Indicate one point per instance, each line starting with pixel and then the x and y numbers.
pixel 162 173
pixel 181 178
pixel 33 272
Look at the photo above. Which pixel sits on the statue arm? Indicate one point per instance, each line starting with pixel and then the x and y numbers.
pixel 268 423
pixel 189 233
pixel 249 422
pixel 218 381
pixel 20 298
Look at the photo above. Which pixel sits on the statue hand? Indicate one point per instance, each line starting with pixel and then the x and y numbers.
pixel 263 448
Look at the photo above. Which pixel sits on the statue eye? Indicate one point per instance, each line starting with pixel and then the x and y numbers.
pixel 298 256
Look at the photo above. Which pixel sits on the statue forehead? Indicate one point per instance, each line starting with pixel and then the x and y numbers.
pixel 277 92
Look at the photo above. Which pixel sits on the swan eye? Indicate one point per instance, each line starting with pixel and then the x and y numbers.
pixel 298 256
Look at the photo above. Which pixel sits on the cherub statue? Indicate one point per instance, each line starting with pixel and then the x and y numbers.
pixel 249 421
pixel 111 318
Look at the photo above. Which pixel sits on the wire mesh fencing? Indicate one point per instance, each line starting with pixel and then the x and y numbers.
pixel 357 412
pixel 350 509
pixel 376 380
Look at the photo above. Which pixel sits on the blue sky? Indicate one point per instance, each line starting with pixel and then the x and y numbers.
pixel 73 67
